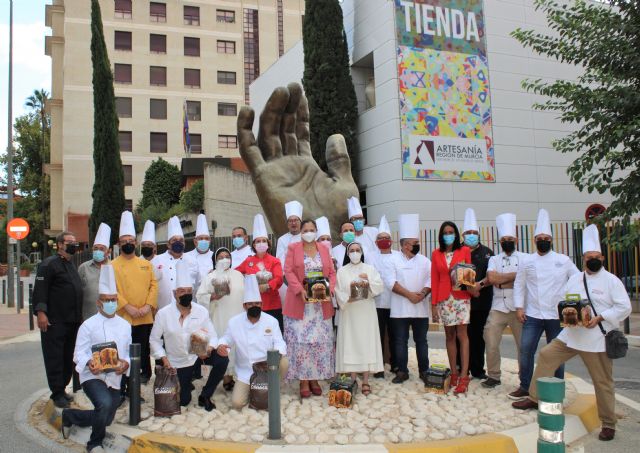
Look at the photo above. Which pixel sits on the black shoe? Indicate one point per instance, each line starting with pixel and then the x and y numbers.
pixel 64 428
pixel 518 394
pixel 379 375
pixel 68 397
pixel 491 383
pixel 394 369
pixel 481 377
pixel 206 403
pixel 60 401
pixel 144 380
pixel 401 376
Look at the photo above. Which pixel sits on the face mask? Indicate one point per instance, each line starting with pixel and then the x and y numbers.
pixel 348 237
pixel 146 251
pixel 185 300
pixel 109 307
pixel 543 246
pixel 238 242
pixel 471 240
pixel 262 247
pixel 254 311
pixel 358 224
pixel 309 236
pixel 71 249
pixel 98 256
pixel 223 264
pixel 203 245
pixel 355 257
pixel 128 249
pixel 177 247
pixel 508 246
pixel 415 249
pixel 448 238
pixel 383 244
pixel 594 264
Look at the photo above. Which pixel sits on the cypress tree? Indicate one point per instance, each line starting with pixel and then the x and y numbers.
pixel 108 188
pixel 333 107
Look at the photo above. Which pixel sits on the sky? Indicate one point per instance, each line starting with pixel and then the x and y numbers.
pixel 31 67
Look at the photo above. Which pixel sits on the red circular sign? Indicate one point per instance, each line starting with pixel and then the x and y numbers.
pixel 594 210
pixel 18 228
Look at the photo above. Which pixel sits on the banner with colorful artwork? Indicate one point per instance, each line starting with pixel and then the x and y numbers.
pixel 445 102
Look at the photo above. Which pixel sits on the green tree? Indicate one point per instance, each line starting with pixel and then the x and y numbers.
pixel 108 187
pixel 161 185
pixel 603 102
pixel 192 200
pixel 333 107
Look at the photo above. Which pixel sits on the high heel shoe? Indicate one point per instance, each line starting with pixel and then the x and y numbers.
pixel 454 381
pixel 316 389
pixel 304 393
pixel 463 385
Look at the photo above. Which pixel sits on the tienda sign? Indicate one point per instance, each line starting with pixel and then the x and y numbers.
pixel 18 229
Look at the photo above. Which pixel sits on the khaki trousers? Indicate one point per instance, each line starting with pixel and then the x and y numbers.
pixel 493 329
pixel 600 369
pixel 240 394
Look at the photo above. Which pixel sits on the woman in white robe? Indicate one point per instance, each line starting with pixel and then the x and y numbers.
pixel 358 347
pixel 223 308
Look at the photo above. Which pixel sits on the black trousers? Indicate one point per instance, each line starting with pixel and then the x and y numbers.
pixel 58 343
pixel 218 367
pixel 475 331
pixel 384 325
pixel 277 313
pixel 140 334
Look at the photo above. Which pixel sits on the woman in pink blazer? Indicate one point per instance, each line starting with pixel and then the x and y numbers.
pixel 308 330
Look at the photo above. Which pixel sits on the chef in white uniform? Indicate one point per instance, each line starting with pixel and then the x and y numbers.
pixel 201 256
pixel 148 247
pixel 241 248
pixel 348 235
pixel 611 303
pixel 293 210
pixel 365 235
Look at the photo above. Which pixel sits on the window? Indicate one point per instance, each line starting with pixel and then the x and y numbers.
pixel 158 43
pixel 158 142
pixel 158 75
pixel 122 9
pixel 123 107
pixel 192 47
pixel 223 15
pixel 157 12
pixel 227 141
pixel 122 73
pixel 122 40
pixel 251 33
pixel 196 143
pixel 158 109
pixel 191 15
pixel 193 110
pixel 125 140
pixel 192 78
pixel 280 28
pixel 226 47
pixel 226 77
pixel 227 109
pixel 128 205
pixel 128 177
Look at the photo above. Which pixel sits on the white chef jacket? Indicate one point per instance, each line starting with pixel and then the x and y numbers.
pixel 100 329
pixel 156 271
pixel 369 254
pixel 611 301
pixel 178 336
pixel 368 242
pixel 201 261
pixel 540 282
pixel 166 264
pixel 413 274
pixel 252 341
pixel 338 253
pixel 504 264
pixel 383 264
pixel 239 255
pixel 283 246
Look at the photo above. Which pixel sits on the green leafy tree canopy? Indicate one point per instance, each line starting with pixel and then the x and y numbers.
pixel 161 185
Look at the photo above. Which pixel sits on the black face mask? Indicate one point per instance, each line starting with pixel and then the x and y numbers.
pixel 177 247
pixel 415 249
pixel 146 251
pixel 594 264
pixel 254 311
pixel 543 246
pixel 71 249
pixel 128 248
pixel 508 246
pixel 185 300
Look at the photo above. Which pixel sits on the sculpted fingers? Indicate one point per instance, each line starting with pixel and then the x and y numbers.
pixel 249 151
pixel 270 122
pixel 338 162
pixel 288 127
pixel 302 127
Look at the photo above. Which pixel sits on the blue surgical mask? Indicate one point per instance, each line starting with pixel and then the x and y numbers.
pixel 238 242
pixel 348 237
pixel 98 256
pixel 358 224
pixel 471 240
pixel 203 245
pixel 109 307
pixel 448 238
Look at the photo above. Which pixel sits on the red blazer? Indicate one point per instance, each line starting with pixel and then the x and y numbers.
pixel 294 272
pixel 440 278
pixel 271 298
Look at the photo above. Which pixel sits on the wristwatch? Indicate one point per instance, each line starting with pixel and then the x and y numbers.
pixel 482 284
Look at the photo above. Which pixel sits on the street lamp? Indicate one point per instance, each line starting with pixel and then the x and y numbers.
pixel 34 245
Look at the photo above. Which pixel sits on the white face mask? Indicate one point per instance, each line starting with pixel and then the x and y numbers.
pixel 309 236
pixel 223 264
pixel 261 247
pixel 355 257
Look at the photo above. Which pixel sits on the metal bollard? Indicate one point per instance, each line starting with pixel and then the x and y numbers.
pixel 4 292
pixel 134 384
pixel 30 306
pixel 20 296
pixel 550 417
pixel 273 362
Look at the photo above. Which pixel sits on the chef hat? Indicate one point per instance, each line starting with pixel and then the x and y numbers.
pixel 103 236
pixel 384 226
pixel 202 227
pixel 409 226
pixel 127 227
pixel 293 208
pixel 470 222
pixel 183 274
pixel 149 232
pixel 259 227
pixel 174 228
pixel 506 224
pixel 251 289
pixel 354 208
pixel 590 239
pixel 107 281
pixel 323 227
pixel 543 224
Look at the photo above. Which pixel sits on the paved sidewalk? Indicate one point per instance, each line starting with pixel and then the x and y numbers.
pixel 13 324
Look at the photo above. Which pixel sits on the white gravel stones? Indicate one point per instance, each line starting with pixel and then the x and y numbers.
pixel 436 436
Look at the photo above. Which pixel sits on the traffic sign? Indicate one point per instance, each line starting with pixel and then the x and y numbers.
pixel 18 228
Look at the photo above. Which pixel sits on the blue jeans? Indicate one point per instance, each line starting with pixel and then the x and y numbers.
pixel 105 402
pixel 531 333
pixel 400 328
